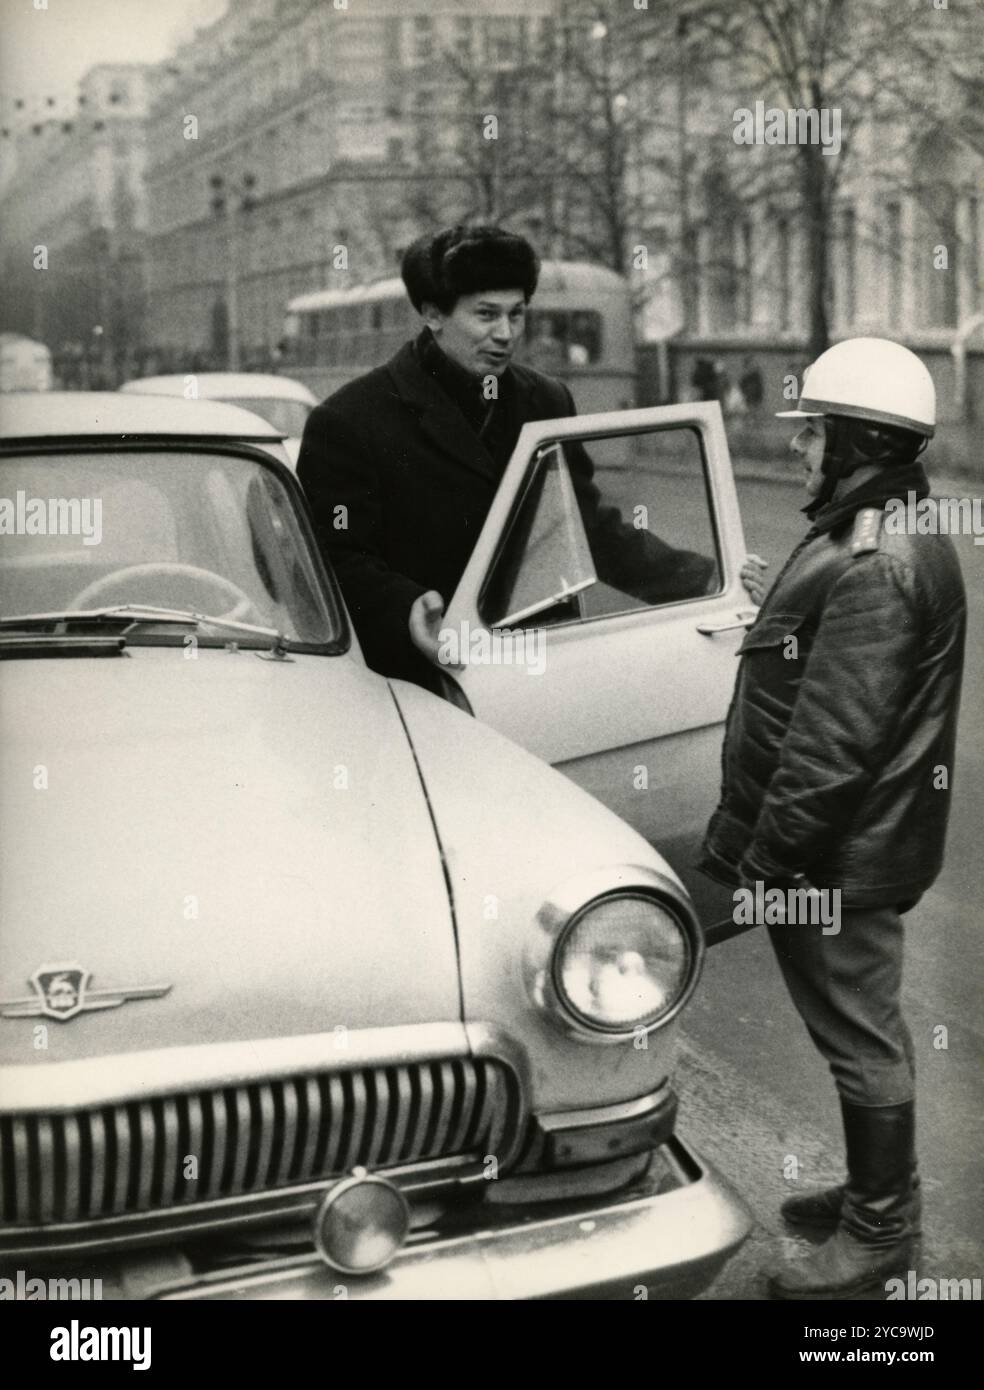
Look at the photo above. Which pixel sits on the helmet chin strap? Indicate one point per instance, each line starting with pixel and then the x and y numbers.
pixel 843 456
pixel 837 461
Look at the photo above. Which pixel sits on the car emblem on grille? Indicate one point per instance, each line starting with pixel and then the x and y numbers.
pixel 62 992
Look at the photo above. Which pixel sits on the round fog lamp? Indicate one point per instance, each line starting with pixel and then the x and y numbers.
pixel 361 1224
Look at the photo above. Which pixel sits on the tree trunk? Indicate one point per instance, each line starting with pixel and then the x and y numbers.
pixel 817 209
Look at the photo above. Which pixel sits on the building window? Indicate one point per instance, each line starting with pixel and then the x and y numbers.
pixel 391 42
pixel 463 38
pixel 540 41
pixel 423 39
pixel 658 239
pixel 423 101
pixel 504 40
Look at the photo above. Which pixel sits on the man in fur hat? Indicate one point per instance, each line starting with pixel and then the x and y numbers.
pixel 401 465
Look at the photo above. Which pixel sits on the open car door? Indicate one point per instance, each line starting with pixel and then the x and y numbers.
pixel 597 621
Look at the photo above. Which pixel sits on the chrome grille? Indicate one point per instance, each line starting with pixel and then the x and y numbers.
pixel 133 1157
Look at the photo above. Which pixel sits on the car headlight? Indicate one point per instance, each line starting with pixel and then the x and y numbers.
pixel 623 962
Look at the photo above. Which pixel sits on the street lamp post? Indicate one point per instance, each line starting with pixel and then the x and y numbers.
pixel 228 204
pixel 685 247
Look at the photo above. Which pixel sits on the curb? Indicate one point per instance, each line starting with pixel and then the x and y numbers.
pixel 789 475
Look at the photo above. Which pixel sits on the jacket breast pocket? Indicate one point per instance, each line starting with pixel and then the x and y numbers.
pixel 773 630
pixel 774 651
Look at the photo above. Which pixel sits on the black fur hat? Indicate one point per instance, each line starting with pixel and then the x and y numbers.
pixel 438 269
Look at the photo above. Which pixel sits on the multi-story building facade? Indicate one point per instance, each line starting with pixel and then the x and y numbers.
pixel 75 215
pixel 301 144
pixel 724 228
pixel 905 255
pixel 726 266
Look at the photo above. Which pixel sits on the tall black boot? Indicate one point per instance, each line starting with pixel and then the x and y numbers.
pixel 874 1235
pixel 822 1208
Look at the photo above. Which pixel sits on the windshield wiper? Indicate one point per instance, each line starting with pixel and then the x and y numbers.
pixel 130 615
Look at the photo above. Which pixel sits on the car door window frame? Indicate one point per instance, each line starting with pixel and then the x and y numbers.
pixel 704 418
pixel 570 518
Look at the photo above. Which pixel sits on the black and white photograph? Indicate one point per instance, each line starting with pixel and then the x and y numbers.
pixel 491 664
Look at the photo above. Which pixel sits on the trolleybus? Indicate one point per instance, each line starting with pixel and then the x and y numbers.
pixel 578 328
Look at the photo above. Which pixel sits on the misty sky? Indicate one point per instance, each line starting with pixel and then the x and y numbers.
pixel 44 52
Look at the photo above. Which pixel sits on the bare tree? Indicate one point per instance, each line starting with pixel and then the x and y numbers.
pixel 476 137
pixel 853 56
pixel 610 136
pixel 619 125
pixel 938 74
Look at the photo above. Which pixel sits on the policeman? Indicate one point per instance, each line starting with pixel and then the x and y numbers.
pixel 837 771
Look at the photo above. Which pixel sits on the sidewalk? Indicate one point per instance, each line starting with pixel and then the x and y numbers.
pixel 955 451
pixel 789 473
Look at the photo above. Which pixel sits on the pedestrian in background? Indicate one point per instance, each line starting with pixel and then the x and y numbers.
pixel 750 382
pixel 704 380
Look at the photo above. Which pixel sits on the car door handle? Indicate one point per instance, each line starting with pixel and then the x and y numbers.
pixel 741 620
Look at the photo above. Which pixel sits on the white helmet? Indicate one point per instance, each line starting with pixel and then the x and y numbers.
pixel 869 379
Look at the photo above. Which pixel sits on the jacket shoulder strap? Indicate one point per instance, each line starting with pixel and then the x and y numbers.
pixel 866 536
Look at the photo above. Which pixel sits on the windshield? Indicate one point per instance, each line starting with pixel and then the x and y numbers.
pixel 286 416
pixel 212 533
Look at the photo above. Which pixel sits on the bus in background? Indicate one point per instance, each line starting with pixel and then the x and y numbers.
pixel 578 328
pixel 24 364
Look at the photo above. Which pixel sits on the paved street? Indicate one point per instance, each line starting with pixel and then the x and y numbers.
pixel 754 1090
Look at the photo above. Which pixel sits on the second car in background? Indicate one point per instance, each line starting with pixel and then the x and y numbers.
pixel 284 403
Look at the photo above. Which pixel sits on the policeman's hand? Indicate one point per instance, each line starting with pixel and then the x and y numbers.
pixel 425 624
pixel 753 577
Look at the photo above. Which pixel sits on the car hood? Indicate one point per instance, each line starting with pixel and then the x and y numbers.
pixel 252 833
pixel 528 833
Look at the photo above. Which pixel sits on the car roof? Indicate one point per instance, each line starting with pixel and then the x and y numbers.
pixel 225 385
pixel 98 414
pixel 577 277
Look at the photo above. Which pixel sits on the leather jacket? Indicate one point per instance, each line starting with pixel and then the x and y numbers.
pixel 838 754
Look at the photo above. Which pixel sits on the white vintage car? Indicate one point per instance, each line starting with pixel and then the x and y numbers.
pixel 280 400
pixel 312 984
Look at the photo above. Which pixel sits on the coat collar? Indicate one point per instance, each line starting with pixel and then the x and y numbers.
pixel 888 482
pixel 440 419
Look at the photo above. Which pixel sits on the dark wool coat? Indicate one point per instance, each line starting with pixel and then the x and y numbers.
pixel 845 708
pixel 416 481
